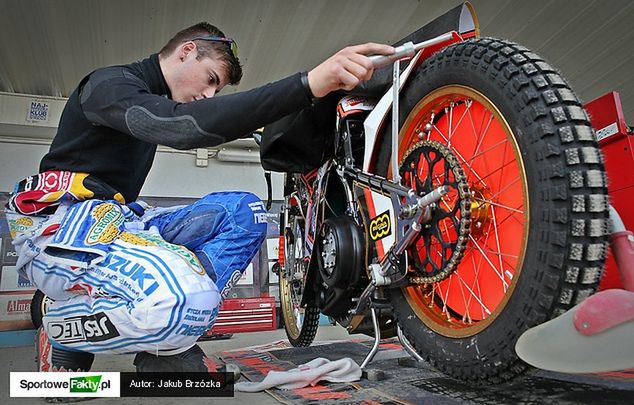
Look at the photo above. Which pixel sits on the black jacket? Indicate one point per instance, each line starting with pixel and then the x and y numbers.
pixel 113 121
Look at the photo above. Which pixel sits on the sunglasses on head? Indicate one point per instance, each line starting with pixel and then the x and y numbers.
pixel 230 41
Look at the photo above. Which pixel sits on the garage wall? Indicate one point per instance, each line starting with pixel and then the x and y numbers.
pixel 18 161
pixel 173 174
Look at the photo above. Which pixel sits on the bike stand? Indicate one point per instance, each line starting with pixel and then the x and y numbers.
pixel 415 360
pixel 373 374
pixel 377 339
pixel 407 345
pixel 377 375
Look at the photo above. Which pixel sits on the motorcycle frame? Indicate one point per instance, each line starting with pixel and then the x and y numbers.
pixel 404 207
pixel 407 211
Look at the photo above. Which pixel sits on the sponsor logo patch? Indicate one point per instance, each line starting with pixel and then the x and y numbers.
pixel 135 239
pixel 25 221
pixel 380 226
pixel 23 281
pixel 19 225
pixel 133 272
pixel 235 276
pixel 108 219
pixel 607 131
pixel 93 328
pixel 259 212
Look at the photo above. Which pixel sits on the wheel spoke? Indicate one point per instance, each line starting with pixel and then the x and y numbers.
pixel 457 153
pixel 450 126
pixel 481 180
pixel 505 257
pixel 474 295
pixel 511 184
pixel 444 301
pixel 480 140
pixel 497 243
pixel 487 150
pixel 486 258
pixel 477 284
pixel 477 273
pixel 464 299
pixel 491 252
pixel 506 207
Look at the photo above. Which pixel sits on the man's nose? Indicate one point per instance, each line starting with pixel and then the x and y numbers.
pixel 209 92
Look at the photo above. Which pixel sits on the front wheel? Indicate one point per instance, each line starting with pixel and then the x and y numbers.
pixel 300 323
pixel 534 214
pixel 39 306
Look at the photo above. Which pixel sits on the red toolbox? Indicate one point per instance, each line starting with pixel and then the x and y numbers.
pixel 617 143
pixel 245 315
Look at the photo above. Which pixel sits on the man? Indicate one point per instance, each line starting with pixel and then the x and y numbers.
pixel 117 291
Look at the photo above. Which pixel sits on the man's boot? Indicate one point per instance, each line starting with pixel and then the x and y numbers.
pixel 49 358
pixel 54 359
pixel 193 360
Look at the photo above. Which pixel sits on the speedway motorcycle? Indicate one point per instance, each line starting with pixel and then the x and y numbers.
pixel 464 205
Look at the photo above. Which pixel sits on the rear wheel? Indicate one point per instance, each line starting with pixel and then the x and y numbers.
pixel 300 322
pixel 537 205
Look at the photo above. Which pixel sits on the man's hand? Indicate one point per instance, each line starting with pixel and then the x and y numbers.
pixel 345 69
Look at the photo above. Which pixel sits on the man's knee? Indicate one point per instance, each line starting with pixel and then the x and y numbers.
pixel 251 214
pixel 194 228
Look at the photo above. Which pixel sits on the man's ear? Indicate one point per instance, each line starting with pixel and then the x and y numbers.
pixel 186 48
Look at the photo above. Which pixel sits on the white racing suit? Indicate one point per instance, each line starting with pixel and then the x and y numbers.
pixel 118 283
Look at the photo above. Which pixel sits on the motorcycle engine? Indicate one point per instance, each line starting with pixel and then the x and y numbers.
pixel 340 259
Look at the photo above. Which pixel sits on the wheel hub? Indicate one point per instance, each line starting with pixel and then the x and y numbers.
pixel 480 211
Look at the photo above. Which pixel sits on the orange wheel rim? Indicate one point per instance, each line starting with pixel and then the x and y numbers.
pixel 480 138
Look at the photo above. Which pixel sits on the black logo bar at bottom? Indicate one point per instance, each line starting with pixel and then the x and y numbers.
pixel 177 385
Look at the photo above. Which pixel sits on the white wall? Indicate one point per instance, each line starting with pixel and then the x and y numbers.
pixel 173 174
pixel 18 161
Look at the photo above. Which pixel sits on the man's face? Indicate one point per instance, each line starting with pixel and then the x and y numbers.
pixel 195 79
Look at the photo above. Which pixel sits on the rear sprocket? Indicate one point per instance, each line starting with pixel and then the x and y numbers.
pixel 436 253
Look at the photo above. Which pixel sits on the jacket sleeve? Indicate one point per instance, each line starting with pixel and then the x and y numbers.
pixel 116 98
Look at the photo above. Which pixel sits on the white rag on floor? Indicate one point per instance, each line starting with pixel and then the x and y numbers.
pixel 342 370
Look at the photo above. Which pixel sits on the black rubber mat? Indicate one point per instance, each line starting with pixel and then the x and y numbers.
pixel 396 379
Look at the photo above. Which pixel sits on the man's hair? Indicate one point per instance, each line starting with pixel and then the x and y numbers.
pixel 207 48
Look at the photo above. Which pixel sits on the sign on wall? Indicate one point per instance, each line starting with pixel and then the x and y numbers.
pixel 38 111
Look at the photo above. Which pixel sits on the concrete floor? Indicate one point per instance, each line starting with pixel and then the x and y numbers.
pixel 22 359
